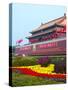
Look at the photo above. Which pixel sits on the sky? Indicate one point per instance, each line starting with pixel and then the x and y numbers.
pixel 27 17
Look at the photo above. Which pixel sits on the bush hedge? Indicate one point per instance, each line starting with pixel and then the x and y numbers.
pixel 60 62
pixel 24 61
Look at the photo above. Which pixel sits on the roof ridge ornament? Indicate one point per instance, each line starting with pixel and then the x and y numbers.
pixel 64 14
pixel 41 23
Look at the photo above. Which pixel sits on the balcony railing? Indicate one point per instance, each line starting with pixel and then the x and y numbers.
pixel 51 36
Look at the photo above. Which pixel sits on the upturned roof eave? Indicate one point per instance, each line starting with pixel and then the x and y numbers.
pixel 45 33
pixel 47 23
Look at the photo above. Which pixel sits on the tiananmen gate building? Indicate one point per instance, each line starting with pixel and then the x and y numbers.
pixel 48 39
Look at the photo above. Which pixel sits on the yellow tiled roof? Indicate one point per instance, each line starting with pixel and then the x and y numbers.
pixel 59 21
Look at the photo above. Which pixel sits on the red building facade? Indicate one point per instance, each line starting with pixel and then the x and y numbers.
pixel 47 39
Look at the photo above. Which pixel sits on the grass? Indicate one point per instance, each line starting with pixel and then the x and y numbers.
pixel 27 80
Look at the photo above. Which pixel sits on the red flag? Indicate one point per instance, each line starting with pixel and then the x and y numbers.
pixel 19 41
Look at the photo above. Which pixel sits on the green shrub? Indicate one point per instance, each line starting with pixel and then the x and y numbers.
pixel 57 59
pixel 24 61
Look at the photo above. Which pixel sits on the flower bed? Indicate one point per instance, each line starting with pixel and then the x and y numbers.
pixel 37 70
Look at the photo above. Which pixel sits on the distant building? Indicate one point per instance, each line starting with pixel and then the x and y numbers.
pixel 48 39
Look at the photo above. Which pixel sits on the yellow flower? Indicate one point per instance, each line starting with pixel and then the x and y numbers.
pixel 39 69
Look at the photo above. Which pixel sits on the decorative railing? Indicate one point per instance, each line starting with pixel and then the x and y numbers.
pixel 51 36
